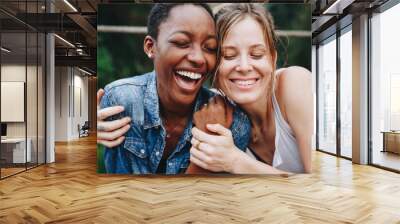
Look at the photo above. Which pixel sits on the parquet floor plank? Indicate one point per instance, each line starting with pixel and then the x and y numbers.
pixel 70 191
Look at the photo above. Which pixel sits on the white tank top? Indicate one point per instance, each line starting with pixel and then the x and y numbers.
pixel 286 155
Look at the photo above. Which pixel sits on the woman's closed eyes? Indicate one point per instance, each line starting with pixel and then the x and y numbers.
pixel 210 46
pixel 255 53
pixel 181 43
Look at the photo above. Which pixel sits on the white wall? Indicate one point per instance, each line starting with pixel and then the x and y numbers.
pixel 12 73
pixel 33 126
pixel 16 73
pixel 80 97
pixel 70 83
pixel 61 103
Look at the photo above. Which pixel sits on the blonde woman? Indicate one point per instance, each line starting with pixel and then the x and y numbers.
pixel 278 102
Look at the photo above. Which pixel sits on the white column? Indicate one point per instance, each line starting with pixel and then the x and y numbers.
pixel 50 93
pixel 360 90
pixel 314 90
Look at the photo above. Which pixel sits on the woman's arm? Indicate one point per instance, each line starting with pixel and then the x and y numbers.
pixel 218 153
pixel 294 95
pixel 247 165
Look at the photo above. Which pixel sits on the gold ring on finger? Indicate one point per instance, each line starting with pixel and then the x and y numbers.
pixel 197 145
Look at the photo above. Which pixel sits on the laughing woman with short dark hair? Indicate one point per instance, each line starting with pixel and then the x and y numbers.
pixel 182 43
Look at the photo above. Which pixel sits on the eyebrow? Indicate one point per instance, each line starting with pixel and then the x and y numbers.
pixel 252 46
pixel 259 46
pixel 190 34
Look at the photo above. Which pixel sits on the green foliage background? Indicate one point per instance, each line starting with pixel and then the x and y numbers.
pixel 121 55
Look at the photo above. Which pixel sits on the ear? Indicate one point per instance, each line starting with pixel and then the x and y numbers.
pixel 149 46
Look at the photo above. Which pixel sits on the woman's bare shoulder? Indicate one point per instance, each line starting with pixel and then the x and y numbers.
pixel 294 79
pixel 293 84
pixel 293 75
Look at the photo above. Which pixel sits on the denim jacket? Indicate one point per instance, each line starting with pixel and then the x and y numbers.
pixel 142 149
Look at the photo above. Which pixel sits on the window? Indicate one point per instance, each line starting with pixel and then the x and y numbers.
pixel 327 96
pixel 22 69
pixel 346 94
pixel 385 88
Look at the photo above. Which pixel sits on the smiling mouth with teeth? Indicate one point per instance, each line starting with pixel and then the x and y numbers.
pixel 244 83
pixel 188 80
pixel 190 75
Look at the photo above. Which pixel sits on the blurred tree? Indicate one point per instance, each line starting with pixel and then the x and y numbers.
pixel 121 55
pixel 292 50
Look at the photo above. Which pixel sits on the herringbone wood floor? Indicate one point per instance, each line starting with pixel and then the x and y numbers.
pixel 70 191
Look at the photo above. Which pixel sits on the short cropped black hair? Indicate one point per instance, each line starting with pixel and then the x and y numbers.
pixel 160 11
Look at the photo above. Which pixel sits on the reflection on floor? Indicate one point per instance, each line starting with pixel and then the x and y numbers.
pixel 386 159
pixel 11 169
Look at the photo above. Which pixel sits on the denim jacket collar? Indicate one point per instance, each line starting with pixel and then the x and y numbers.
pixel 152 106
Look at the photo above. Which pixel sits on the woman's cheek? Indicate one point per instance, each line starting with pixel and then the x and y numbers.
pixel 211 61
pixel 226 68
pixel 265 66
pixel 222 81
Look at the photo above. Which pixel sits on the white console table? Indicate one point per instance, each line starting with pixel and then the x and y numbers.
pixel 18 150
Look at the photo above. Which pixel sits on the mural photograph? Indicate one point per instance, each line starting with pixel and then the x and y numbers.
pixel 195 88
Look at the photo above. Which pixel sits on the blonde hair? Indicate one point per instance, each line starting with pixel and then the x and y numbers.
pixel 230 15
